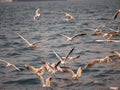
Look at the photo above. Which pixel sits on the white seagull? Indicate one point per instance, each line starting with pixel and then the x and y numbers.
pixel 37 14
pixel 98 61
pixel 71 39
pixel 68 17
pixel 10 65
pixel 31 45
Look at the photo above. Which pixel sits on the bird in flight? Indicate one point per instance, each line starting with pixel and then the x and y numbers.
pixel 10 65
pixel 30 45
pixel 68 17
pixel 71 39
pixel 37 14
pixel 98 61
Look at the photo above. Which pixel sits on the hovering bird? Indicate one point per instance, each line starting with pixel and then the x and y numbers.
pixel 31 45
pixel 37 14
pixel 68 17
pixel 116 14
pixel 116 53
pixel 74 75
pixel 71 39
pixel 98 61
pixel 63 61
pixel 10 65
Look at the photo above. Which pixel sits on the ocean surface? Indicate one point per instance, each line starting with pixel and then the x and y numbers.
pixel 17 17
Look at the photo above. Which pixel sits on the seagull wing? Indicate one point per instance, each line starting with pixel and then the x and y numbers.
pixel 4 61
pixel 34 43
pixel 58 63
pixel 70 71
pixel 80 34
pixel 77 56
pixel 58 56
pixel 69 53
pixel 116 14
pixel 31 68
pixel 97 61
pixel 79 71
pixel 16 67
pixel 64 36
pixel 24 39
pixel 37 11
pixel 42 69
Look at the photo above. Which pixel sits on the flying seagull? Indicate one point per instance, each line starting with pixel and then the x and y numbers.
pixel 30 45
pixel 10 65
pixel 71 39
pixel 98 61
pixel 37 14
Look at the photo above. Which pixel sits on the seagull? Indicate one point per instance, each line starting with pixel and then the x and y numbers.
pixel 71 39
pixel 10 65
pixel 37 71
pixel 98 61
pixel 68 17
pixel 37 14
pixel 63 61
pixel 45 83
pixel 116 53
pixel 51 68
pixel 31 45
pixel 74 75
pixel 116 14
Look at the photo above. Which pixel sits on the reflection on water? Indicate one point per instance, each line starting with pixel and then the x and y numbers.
pixel 18 18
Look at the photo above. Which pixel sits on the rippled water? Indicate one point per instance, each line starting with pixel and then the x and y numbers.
pixel 18 18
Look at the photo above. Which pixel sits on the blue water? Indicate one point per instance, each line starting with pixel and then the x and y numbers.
pixel 17 17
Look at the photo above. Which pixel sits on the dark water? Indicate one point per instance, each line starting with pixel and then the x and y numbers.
pixel 18 18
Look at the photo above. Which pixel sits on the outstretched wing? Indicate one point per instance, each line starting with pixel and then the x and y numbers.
pixel 34 43
pixel 69 53
pixel 64 36
pixel 79 71
pixel 116 14
pixel 37 11
pixel 80 34
pixel 58 56
pixel 31 68
pixel 68 70
pixel 93 62
pixel 4 61
pixel 16 67
pixel 24 39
